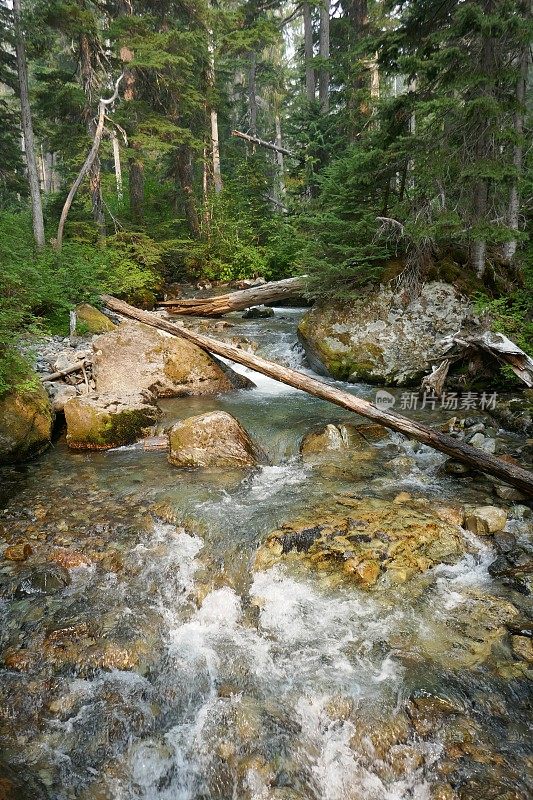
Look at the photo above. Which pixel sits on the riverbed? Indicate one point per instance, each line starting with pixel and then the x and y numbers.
pixel 160 665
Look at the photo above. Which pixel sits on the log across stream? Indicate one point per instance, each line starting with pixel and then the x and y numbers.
pixel 521 478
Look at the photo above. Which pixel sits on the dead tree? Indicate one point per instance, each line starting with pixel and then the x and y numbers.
pixel 89 161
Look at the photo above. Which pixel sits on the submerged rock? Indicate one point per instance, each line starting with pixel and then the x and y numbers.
pixel 382 337
pixel 363 540
pixel 136 357
pixel 215 439
pixel 92 320
pixel 26 421
pixel 102 421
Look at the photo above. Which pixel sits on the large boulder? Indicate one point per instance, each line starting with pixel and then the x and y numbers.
pixel 101 421
pixel 26 421
pixel 364 540
pixel 383 336
pixel 136 357
pixel 215 439
pixel 90 320
pixel 344 436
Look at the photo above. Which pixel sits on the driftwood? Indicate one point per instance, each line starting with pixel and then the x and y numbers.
pixel 78 366
pixel 479 460
pixel 262 143
pixel 89 161
pixel 236 301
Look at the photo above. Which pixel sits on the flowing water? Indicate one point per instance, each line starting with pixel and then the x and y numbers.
pixel 168 669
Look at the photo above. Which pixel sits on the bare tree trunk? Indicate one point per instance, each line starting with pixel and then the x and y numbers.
pixel 27 129
pixel 215 142
pixel 95 184
pixel 323 78
pixel 118 165
pixel 309 53
pixel 184 169
pixel 252 96
pixel 513 214
pixel 516 476
pixel 262 143
pixel 237 301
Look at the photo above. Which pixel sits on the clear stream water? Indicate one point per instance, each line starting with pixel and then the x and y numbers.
pixel 167 669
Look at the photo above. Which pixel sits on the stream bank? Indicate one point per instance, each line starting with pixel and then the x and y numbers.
pixel 145 657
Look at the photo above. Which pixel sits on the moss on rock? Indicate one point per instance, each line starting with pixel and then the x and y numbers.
pixel 92 320
pixel 102 421
pixel 26 421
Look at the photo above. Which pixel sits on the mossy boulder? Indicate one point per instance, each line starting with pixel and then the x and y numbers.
pixel 215 439
pixel 136 357
pixel 362 541
pixel 26 421
pixel 101 421
pixel 383 336
pixel 90 320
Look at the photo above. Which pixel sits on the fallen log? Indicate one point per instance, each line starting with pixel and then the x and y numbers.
pixel 237 301
pixel 498 346
pixel 479 460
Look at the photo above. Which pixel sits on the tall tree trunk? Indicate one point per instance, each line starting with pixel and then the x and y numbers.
pixel 513 213
pixel 95 181
pixel 27 129
pixel 309 53
pixel 135 164
pixel 252 95
pixel 482 149
pixel 184 170
pixel 118 165
pixel 279 159
pixel 215 142
pixel 323 78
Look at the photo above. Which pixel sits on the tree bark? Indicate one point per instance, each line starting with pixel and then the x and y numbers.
pixel 118 165
pixel 236 301
pixel 184 169
pixel 27 129
pixel 280 186
pixel 135 164
pixel 516 476
pixel 323 77
pixel 309 53
pixel 252 96
pixel 513 214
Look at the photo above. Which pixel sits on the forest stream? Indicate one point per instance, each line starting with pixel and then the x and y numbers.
pixel 164 666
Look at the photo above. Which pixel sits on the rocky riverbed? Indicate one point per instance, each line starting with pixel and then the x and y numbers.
pixel 346 616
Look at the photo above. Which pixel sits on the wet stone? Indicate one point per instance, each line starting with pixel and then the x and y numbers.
pixel 43 579
pixel 18 552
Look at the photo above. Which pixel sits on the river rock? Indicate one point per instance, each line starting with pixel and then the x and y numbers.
pixel 343 436
pixel 92 320
pixel 215 439
pixel 363 540
pixel 485 520
pixel 383 336
pixel 26 421
pixel 60 394
pixel 258 312
pixel 101 421
pixel 136 357
pixel 18 552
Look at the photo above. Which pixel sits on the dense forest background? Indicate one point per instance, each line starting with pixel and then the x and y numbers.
pixel 402 151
